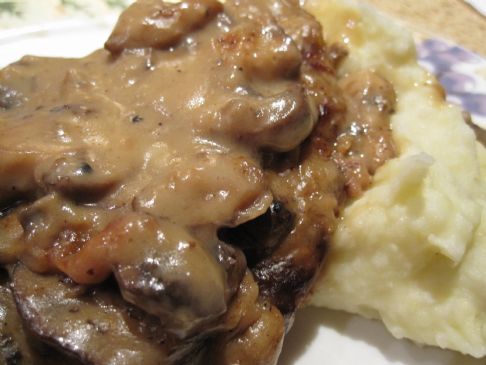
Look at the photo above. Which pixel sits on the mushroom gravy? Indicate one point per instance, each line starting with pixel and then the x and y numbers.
pixel 169 199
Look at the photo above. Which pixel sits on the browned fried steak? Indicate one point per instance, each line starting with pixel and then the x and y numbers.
pixel 169 199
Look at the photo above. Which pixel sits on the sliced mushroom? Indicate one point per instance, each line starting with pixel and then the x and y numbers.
pixel 77 178
pixel 159 24
pixel 280 122
pixel 13 342
pixel 96 326
pixel 17 345
pixel 186 305
pixel 162 269
pixel 178 280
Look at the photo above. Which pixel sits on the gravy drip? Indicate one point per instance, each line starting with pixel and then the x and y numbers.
pixel 198 163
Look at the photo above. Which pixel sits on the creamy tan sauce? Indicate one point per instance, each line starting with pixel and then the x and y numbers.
pixel 196 117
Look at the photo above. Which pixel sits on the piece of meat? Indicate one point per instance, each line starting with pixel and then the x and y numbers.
pixel 18 180
pixel 257 330
pixel 259 237
pixel 228 188
pixel 311 193
pixel 328 172
pixel 159 24
pixel 34 230
pixel 259 344
pixel 11 232
pixel 365 142
pixel 260 49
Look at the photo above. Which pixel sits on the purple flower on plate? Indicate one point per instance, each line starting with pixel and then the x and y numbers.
pixel 474 103
pixel 457 70
pixel 455 82
pixel 444 55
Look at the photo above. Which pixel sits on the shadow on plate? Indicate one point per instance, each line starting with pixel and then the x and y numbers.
pixel 321 336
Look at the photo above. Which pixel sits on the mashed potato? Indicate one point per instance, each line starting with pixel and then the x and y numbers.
pixel 412 250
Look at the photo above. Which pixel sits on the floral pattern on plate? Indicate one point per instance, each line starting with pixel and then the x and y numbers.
pixel 20 13
pixel 461 72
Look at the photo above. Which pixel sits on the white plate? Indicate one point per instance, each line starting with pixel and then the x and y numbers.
pixel 318 336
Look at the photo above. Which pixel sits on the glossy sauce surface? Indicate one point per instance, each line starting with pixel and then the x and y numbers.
pixel 156 160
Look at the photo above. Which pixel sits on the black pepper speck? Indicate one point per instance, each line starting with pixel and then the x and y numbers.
pixel 137 119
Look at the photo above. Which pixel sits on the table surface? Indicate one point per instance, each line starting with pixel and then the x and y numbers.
pixel 451 19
